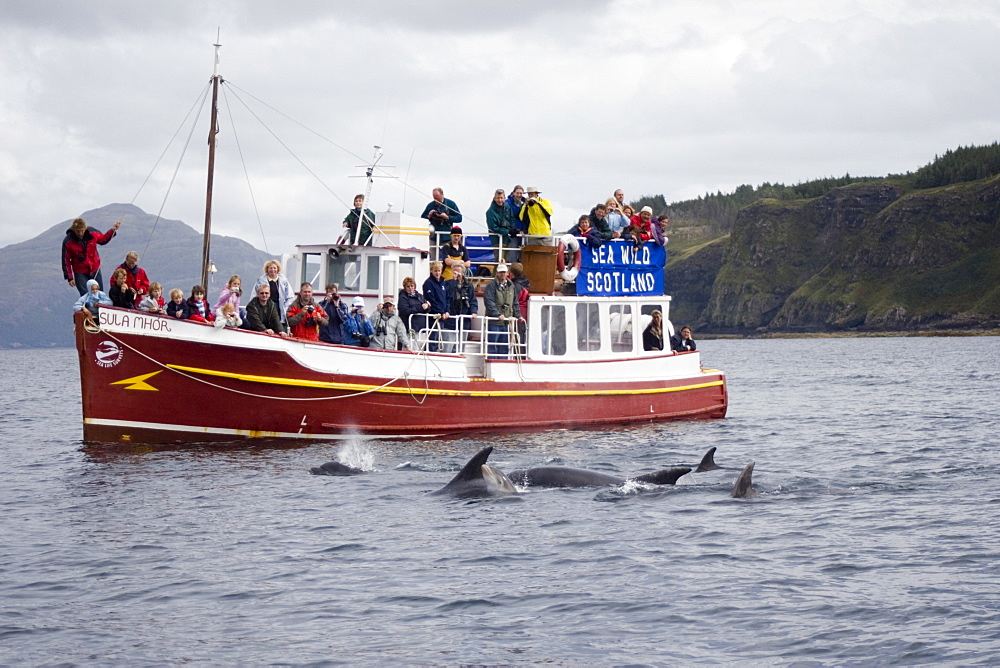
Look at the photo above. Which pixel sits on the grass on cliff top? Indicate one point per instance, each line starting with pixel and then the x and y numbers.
pixel 679 251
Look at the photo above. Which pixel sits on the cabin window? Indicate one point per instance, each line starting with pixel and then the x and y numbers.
pixel 345 271
pixel 588 326
pixel 406 269
pixel 647 309
pixel 389 278
pixel 553 330
pixel 621 328
pixel 647 316
pixel 372 272
pixel 310 270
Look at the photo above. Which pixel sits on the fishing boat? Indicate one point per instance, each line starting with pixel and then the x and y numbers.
pixel 577 359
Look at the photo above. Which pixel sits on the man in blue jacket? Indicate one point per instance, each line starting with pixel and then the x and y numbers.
pixel 443 214
pixel 336 309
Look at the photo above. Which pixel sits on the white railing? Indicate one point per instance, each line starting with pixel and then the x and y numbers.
pixel 469 335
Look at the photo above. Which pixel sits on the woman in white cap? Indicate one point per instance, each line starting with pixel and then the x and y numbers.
pixel 358 330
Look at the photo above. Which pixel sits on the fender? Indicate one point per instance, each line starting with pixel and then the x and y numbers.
pixel 568 241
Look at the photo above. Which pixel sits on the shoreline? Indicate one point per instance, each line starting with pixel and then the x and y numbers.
pixel 851 335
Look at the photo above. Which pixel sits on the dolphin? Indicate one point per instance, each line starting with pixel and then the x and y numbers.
pixel 477 479
pixel 743 487
pixel 564 476
pixel 335 468
pixel 708 462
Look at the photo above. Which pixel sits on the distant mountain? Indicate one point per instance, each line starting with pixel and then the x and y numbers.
pixel 37 306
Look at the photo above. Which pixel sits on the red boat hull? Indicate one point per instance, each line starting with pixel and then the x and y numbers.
pixel 155 389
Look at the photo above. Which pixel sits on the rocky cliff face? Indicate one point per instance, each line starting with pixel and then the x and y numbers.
pixel 863 257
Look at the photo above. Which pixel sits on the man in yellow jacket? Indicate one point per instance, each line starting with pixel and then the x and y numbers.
pixel 538 214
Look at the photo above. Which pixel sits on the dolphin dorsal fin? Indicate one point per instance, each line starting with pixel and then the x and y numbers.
pixel 708 462
pixel 473 470
pixel 743 487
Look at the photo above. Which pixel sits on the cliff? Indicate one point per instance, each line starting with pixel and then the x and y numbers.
pixel 870 256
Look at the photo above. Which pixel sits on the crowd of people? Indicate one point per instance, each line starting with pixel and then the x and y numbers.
pixel 276 309
pixel 525 216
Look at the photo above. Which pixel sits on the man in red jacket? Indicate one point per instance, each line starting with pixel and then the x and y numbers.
pixel 305 316
pixel 80 259
pixel 135 276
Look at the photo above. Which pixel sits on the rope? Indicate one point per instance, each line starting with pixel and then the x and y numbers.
pixel 405 375
pixel 246 173
pixel 290 151
pixel 173 178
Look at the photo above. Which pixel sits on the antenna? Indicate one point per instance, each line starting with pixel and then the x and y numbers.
pixel 407 179
pixel 217 45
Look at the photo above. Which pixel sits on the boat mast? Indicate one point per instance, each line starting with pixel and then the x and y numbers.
pixel 207 240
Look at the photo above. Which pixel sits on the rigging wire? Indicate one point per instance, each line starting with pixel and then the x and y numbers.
pixel 169 143
pixel 354 155
pixel 290 151
pixel 173 178
pixel 246 173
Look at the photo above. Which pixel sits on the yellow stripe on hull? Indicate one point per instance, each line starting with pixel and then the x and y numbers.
pixel 355 387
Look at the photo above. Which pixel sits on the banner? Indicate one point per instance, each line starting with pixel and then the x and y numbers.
pixel 617 269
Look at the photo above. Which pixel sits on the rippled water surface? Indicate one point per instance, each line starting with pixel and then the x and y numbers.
pixel 875 539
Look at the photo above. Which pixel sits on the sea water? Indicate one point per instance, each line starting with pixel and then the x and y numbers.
pixel 875 537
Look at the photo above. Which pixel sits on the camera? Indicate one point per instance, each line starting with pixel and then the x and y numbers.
pixel 310 309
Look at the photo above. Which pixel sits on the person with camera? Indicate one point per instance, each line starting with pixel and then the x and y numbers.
pixel 305 316
pixel 230 294
pixel 390 332
pixel 338 313
pixel 80 259
pixel 537 213
pixel 461 301
pixel 442 213
pixel 358 330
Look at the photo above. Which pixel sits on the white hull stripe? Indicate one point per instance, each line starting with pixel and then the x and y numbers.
pixel 246 433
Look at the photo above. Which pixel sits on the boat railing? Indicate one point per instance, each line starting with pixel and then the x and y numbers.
pixel 489 249
pixel 469 335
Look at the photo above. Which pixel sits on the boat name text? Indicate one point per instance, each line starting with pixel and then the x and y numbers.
pixel 135 321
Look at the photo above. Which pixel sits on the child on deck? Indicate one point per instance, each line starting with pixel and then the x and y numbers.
pixel 121 293
pixel 153 302
pixel 226 316
pixel 92 298
pixel 231 295
pixel 200 311
pixel 178 308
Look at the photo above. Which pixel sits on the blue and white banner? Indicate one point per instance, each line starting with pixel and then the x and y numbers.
pixel 617 268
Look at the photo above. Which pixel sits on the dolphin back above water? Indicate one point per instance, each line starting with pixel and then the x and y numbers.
pixel 335 468
pixel 478 479
pixel 564 476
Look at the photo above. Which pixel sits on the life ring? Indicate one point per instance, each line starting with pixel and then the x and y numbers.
pixel 568 241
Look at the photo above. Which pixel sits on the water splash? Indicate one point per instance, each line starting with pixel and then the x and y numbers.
pixel 357 453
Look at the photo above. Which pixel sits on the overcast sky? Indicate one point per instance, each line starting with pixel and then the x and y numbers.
pixel 577 97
